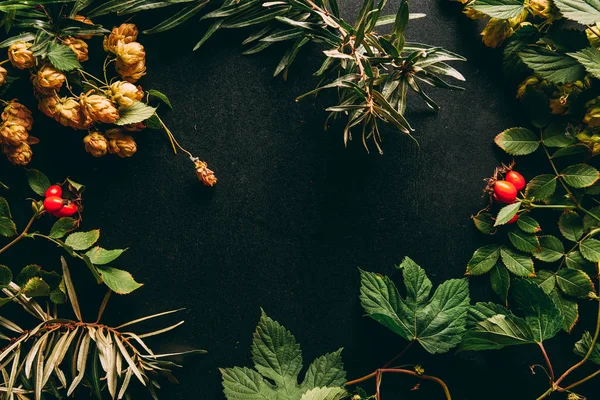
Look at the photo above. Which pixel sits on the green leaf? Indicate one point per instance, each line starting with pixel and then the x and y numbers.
pixel 590 249
pixel 137 112
pixel 82 240
pixel 119 281
pixel 528 224
pixel 583 346
pixel 551 65
pixel 436 322
pixel 580 175
pixel 568 309
pixel 57 296
pixel 483 260
pixel 500 281
pixel 518 264
pixel 574 282
pixel 542 316
pixel 160 96
pixel 571 226
pixel 575 260
pixel 7 227
pixel 5 275
pixel 586 12
pixel 507 213
pixel 517 141
pixel 484 222
pixel 524 242
pixel 62 227
pixel 278 361
pixel 541 187
pixel 551 249
pixel 545 280
pixel 579 151
pixel 555 135
pixel 496 332
pixel 502 9
pixel 100 256
pixel 38 182
pixel 4 208
pixel 62 57
pixel 178 18
pixel 325 394
pixel 27 273
pixel 36 287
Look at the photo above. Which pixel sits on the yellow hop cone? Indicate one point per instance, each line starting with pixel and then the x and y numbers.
pixel 593 34
pixel 125 33
pixel 17 113
pixel 18 155
pixel 13 134
pixel 20 56
pixel 124 93
pixel 70 114
pixel 99 108
pixel 3 74
pixel 48 77
pixel 495 32
pixel 83 19
pixel 130 53
pixel 39 90
pixel 96 144
pixel 120 144
pixel 131 73
pixel 205 175
pixel 79 47
pixel 49 106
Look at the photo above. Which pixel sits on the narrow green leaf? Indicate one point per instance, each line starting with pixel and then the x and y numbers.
pixel 517 141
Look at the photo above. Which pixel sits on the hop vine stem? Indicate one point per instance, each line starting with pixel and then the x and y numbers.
pixel 22 235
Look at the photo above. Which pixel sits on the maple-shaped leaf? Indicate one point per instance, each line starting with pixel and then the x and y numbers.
pixel 437 322
pixel 277 365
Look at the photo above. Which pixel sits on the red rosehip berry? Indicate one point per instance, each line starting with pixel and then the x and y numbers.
pixel 513 219
pixel 505 192
pixel 516 179
pixel 53 204
pixel 67 210
pixel 54 190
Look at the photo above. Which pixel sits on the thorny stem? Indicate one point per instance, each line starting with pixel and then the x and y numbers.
pixel 548 363
pixel 22 235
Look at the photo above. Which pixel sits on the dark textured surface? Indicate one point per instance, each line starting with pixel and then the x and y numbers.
pixel 294 213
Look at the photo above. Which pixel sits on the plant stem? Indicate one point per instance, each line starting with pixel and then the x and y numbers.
pixel 546 394
pixel 548 363
pixel 22 235
pixel 399 355
pixel 4 62
pixel 587 378
pixel 553 206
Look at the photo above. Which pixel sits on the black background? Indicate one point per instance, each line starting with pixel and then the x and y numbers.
pixel 294 213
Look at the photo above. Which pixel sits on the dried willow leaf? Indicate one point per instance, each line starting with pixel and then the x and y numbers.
pixel 158 332
pixel 70 289
pixel 13 372
pixel 39 374
pixel 135 321
pixel 125 384
pixel 10 325
pixel 37 348
pixel 130 361
pixel 82 357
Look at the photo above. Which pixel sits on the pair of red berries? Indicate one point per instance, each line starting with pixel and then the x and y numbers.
pixel 505 191
pixel 56 205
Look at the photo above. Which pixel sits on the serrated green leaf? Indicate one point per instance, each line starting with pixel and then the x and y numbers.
pixel 551 65
pixel 518 264
pixel 517 141
pixel 62 57
pixel 7 227
pixel 580 175
pixel 484 222
pixel 523 241
pixel 551 249
pixel 568 309
pixel 556 135
pixel 541 187
pixel 501 9
pixel 574 282
pixel 528 224
pixel 586 12
pixel 590 249
pixel 62 227
pixel 324 393
pixel 36 287
pixel 100 256
pixel 500 281
pixel 119 281
pixel 546 280
pixel 575 260
pixel 4 208
pixel 483 260
pixel 579 151
pixel 437 323
pixel 541 314
pixel 507 213
pixel 583 346
pixel 82 240
pixel 28 272
pixel 38 182
pixel 160 96
pixel 137 112
pixel 570 225
pixel 496 332
pixel 5 275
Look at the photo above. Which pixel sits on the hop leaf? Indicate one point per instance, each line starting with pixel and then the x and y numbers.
pixel 437 322
pixel 277 362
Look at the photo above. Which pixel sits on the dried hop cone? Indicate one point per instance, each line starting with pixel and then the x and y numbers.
pixel 124 93
pixel 495 32
pixel 99 108
pixel 71 114
pixel 130 53
pixel 13 134
pixel 96 144
pixel 79 47
pixel 3 75
pixel 540 8
pixel 17 113
pixel 131 73
pixel 83 19
pixel 18 155
pixel 20 56
pixel 49 78
pixel 592 112
pixel 125 33
pixel 120 144
pixel 205 175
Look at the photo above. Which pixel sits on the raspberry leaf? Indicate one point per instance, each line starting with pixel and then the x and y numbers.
pixel 568 309
pixel 584 12
pixel 552 65
pixel 503 9
pixel 583 346
pixel 437 322
pixel 500 281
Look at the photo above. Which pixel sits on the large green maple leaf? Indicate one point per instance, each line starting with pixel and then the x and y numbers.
pixel 278 362
pixel 437 322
